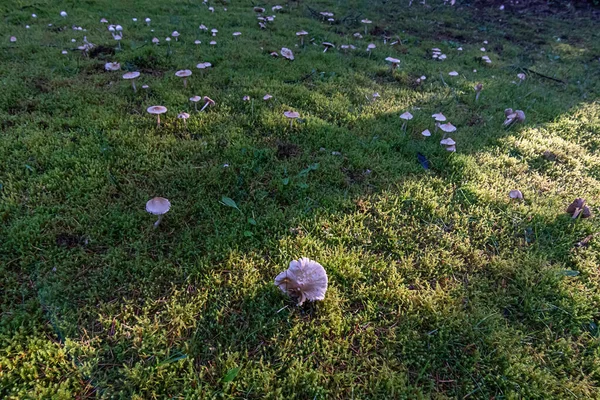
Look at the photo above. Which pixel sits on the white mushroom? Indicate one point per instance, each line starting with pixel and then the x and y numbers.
pixel 184 116
pixel 287 53
pixel 394 63
pixel 515 194
pixel 184 73
pixel 207 102
pixel 439 117
pixel 132 76
pixel 157 110
pixel 366 22
pixel 304 279
pixel 301 35
pixel 112 66
pixel 406 117
pixel 195 100
pixel 158 206
pixel 292 115
pixel 478 88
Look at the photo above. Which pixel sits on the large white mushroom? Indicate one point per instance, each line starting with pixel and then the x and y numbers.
pixel 305 279
pixel 287 53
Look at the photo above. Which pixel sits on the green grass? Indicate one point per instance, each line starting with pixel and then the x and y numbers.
pixel 440 286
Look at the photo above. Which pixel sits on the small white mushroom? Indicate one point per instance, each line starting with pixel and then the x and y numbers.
pixel 63 14
pixel 327 46
pixel 426 133
pixel 158 206
pixel 195 100
pixel 304 279
pixel 478 88
pixel 394 62
pixel 157 110
pixel 453 73
pixel 439 117
pixel 112 66
pixel 515 194
pixel 406 117
pixel 236 34
pixel 267 97
pixel 207 102
pixel 366 22
pixel 132 76
pixel 184 73
pixel 184 116
pixel 175 34
pixel 292 115
pixel 301 35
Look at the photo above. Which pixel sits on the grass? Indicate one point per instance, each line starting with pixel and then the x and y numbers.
pixel 440 286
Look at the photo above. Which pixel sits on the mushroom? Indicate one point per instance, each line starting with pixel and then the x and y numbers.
pixel 292 115
pixel 203 27
pixel 212 43
pixel 204 65
pixel 394 63
pixel 515 194
pixel 184 73
pixel 158 206
pixel 276 8
pixel 426 133
pixel 155 41
pixel 478 88
pixel 453 73
pixel 358 35
pixel 521 77
pixel 287 53
pixel 214 32
pixel 439 117
pixel 370 48
pixel 327 45
pixel 157 110
pixel 366 22
pixel 267 97
pixel 375 96
pixel 578 207
pixel 449 144
pixel 148 21
pixel 175 34
pixel 447 128
pixel 274 54
pixel 132 76
pixel 406 117
pixel 112 66
pixel 305 279
pixel 197 42
pixel 207 102
pixel 184 116
pixel 236 34
pixel 301 35
pixel 486 59
pixel 246 98
pixel 63 14
pixel 13 39
pixel 195 100
pixel 258 10
pixel 512 117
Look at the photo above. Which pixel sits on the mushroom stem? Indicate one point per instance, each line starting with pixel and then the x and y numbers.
pixel 477 96
pixel 325 49
pixel 205 105
pixel 133 85
pixel 365 29
pixel 158 124
pixel 157 223
pixel 185 82
pixel 301 40
pixel 196 106
pixel 291 122
pixel 404 126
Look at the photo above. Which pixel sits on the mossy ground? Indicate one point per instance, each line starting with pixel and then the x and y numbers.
pixel 440 286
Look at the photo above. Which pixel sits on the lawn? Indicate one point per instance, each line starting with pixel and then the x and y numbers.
pixel 440 285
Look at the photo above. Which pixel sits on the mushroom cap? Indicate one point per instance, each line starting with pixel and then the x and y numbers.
pixel 366 21
pixel 358 35
pixel 453 73
pixel 521 76
pixel 246 98
pixel 292 114
pixel 155 40
pixel 275 8
pixel 212 43
pixel 274 54
pixel 451 148
pixel 328 44
pixel 104 21
pixel 376 95
pixel 301 33
pixel 426 133
pixel 439 116
pixel 183 73
pixel 197 42
pixel 287 53
pixel 147 20
pixel 158 206
pixel 208 100
pixel 305 279
pixel 479 87
pixel 204 65
pixel 13 39
pixel 406 116
pixel 213 30
pixel 145 87
pixel 157 110
pixel 183 115
pixel 237 33
pixel 267 97
pixel 447 127
pixel 447 142
pixel 258 9
pixel 392 60
pixel 520 115
pixel 175 34
pixel 203 27
pixel 515 194
pixel 131 75
pixel 112 66
pixel 195 99
pixel 371 46
pixel 508 112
